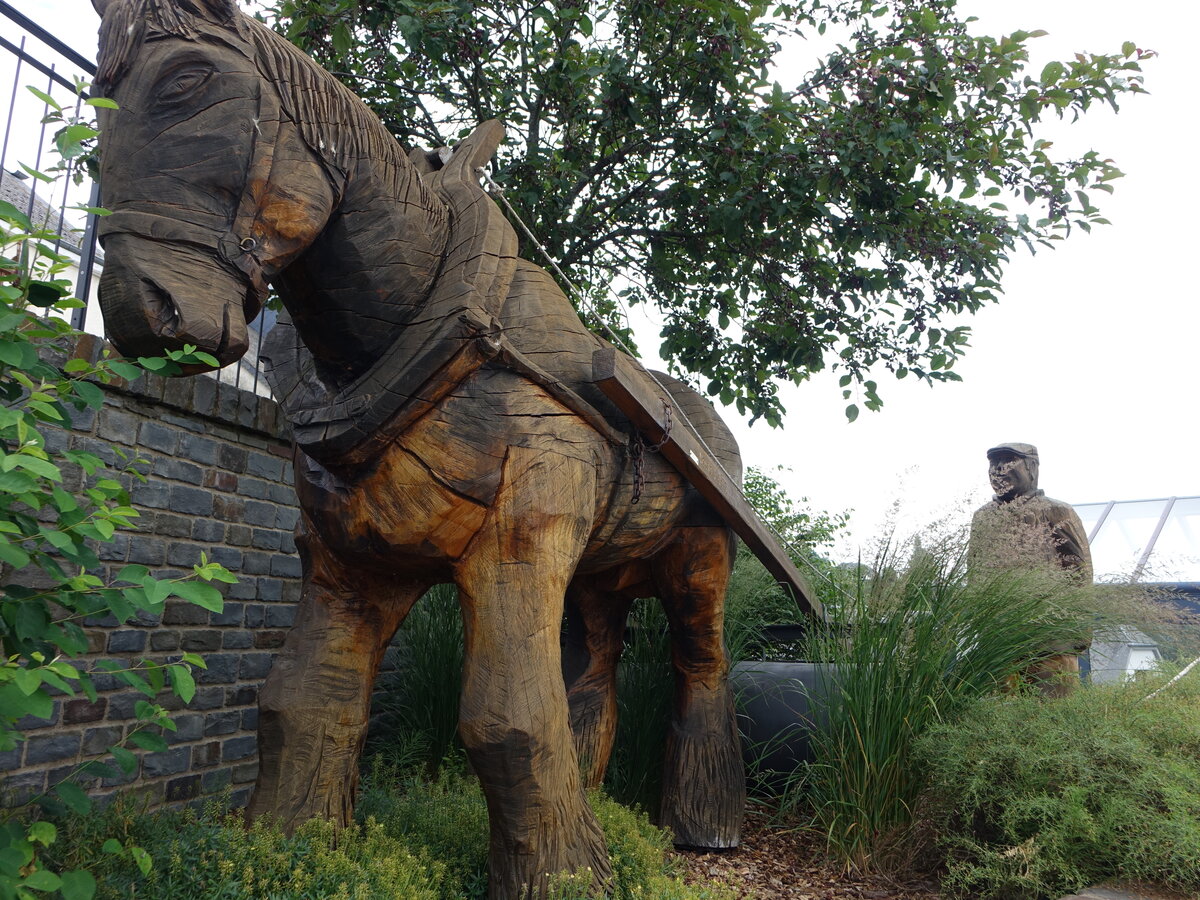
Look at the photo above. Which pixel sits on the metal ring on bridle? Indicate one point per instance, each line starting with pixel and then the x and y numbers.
pixel 248 245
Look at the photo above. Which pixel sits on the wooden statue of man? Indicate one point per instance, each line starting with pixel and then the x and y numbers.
pixel 1022 528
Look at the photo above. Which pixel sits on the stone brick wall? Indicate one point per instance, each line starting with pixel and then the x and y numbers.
pixel 217 463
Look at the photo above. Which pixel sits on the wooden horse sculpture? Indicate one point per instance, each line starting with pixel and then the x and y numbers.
pixel 448 430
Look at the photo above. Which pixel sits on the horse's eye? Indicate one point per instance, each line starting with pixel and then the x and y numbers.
pixel 183 83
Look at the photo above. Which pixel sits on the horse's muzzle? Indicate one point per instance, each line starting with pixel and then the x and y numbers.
pixel 157 298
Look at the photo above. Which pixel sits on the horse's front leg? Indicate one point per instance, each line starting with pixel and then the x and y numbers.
pixel 513 718
pixel 315 705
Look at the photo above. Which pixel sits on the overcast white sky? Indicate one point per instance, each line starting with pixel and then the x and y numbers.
pixel 1091 355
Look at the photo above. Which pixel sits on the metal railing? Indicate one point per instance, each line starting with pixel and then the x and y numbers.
pixel 35 57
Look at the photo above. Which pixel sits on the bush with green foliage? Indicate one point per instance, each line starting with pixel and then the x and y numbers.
pixel 415 838
pixel 56 506
pixel 913 646
pixel 1027 799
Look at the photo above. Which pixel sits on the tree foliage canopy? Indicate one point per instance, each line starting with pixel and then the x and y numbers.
pixel 846 221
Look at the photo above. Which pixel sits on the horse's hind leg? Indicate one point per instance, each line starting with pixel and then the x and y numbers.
pixel 595 632
pixel 513 718
pixel 704 785
pixel 315 704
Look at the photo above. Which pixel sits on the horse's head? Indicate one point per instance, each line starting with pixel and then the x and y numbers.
pixel 212 188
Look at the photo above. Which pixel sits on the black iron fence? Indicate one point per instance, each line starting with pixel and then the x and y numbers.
pixel 32 57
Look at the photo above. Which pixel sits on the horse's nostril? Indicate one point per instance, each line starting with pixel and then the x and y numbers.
pixel 161 309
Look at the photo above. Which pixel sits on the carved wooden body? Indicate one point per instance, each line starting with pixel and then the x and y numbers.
pixel 447 425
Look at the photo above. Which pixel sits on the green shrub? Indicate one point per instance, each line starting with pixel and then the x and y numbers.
pixel 913 647
pixel 1029 799
pixel 213 855
pixel 415 839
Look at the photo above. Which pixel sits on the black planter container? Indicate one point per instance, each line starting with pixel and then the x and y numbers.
pixel 779 706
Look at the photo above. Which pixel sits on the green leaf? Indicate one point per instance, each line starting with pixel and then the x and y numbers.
pixel 112 847
pixel 73 795
pixel 102 103
pixel 125 370
pixel 199 593
pixel 154 363
pixel 341 39
pixel 1051 73
pixel 126 760
pixel 851 412
pixel 43 880
pixel 43 832
pixel 10 213
pixel 78 885
pixel 147 741
pixel 142 858
pixel 45 98
pixel 182 683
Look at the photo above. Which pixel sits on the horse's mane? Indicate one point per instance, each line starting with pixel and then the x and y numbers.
pixel 335 124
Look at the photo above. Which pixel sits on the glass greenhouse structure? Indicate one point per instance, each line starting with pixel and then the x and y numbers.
pixel 1149 541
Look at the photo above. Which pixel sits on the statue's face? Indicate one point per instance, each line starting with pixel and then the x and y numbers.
pixel 1010 475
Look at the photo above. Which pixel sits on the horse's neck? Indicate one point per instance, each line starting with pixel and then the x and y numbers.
pixel 370 270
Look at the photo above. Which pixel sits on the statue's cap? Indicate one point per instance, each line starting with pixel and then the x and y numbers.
pixel 1025 451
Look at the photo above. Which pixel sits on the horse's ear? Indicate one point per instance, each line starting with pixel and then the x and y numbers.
pixel 102 5
pixel 223 10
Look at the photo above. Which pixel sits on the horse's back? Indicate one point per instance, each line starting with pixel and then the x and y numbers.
pixel 541 323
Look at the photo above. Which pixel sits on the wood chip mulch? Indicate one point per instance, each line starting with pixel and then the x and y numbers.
pixel 778 863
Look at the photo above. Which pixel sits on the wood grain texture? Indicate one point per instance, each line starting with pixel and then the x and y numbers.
pixel 448 427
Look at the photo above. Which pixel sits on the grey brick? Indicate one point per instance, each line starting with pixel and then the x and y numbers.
pixel 116 550
pixel 204 396
pixel 81 710
pixel 11 759
pixel 255 666
pixel 55 440
pixel 198 449
pixel 239 535
pixel 20 789
pixel 191 501
pixel 179 554
pixel 224 722
pixel 180 612
pixel 164 640
pixel 184 788
pixel 262 465
pixel 281 616
pixel 232 614
pixel 151 495
pixel 270 590
pixel 240 798
pixel 158 437
pixel 117 427
pixel 167 762
pixel 256 615
pixel 250 719
pixel 254 488
pixel 284 494
pixel 147 550
pixel 292 589
pixel 217 780
pixel 170 525
pixel 237 639
pixel 200 641
pixel 222 669
pixel 121 706
pixel 267 538
pixel 229 557
pixel 287 542
pixel 188 422
pixel 286 518
pixel 205 755
pixel 34 723
pixel 254 563
pixel 83 419
pixel 233 459
pixel 208 697
pixel 241 695
pixel 259 513
pixel 188 727
pixel 127 641
pixel 178 470
pixel 178 392
pixel 98 740
pixel 286 566
pixel 44 748
pixel 208 531
pixel 239 748
pixel 100 449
